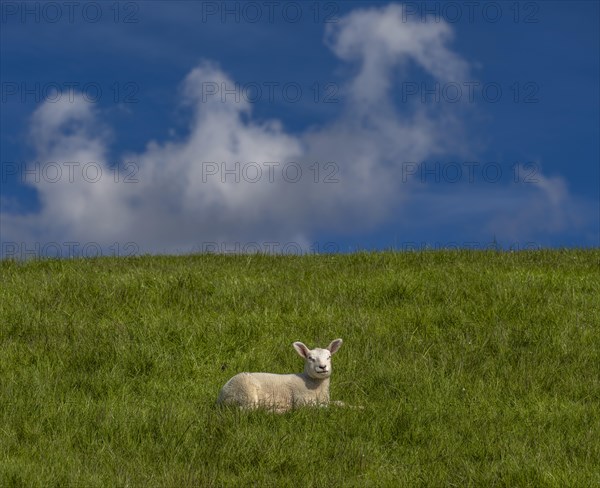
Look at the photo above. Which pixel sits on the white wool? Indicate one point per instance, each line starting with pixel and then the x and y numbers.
pixel 282 392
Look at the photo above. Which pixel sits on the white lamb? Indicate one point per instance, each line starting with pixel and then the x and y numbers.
pixel 282 392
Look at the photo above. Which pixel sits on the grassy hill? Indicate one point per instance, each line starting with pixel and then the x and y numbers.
pixel 475 368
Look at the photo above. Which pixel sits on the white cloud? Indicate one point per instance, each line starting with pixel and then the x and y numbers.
pixel 176 206
pixel 381 38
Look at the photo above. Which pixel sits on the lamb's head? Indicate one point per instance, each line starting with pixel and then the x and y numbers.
pixel 317 362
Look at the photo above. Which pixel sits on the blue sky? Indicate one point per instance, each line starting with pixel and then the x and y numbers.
pixel 173 127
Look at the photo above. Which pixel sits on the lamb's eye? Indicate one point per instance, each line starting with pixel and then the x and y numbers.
pixel 310 358
pixel 329 357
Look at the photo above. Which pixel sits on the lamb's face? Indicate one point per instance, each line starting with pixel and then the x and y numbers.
pixel 317 362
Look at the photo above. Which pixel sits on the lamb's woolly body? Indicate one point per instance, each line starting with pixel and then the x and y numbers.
pixel 282 392
pixel 277 391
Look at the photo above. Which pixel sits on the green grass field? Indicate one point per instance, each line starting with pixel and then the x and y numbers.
pixel 474 368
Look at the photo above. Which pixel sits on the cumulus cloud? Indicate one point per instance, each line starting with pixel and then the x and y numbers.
pixel 380 39
pixel 182 200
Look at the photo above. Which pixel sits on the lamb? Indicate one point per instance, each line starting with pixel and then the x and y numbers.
pixel 283 392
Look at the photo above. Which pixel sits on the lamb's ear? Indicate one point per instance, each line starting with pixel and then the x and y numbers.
pixel 334 346
pixel 301 349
